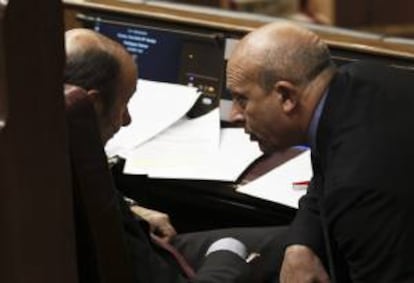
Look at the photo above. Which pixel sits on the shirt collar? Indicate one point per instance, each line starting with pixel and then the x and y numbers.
pixel 313 127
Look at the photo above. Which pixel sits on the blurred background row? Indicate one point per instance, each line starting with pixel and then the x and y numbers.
pixel 394 18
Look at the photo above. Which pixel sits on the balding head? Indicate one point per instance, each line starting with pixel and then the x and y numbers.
pixel 106 71
pixel 94 61
pixel 282 50
pixel 276 75
pixel 81 40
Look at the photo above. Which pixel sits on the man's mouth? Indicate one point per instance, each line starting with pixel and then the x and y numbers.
pixel 253 138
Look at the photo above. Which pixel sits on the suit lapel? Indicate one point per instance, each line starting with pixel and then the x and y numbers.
pixel 325 134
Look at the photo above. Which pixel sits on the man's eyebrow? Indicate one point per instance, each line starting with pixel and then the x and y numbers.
pixel 234 92
pixel 239 95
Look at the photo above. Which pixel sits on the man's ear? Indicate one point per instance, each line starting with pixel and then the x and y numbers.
pixel 287 94
pixel 93 96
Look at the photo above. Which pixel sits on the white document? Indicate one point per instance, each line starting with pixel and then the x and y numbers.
pixel 194 158
pixel 154 107
pixel 180 145
pixel 278 184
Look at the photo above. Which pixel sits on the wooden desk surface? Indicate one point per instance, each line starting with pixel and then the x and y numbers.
pixel 265 163
pixel 238 23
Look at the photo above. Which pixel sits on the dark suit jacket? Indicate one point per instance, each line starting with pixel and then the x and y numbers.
pixel 358 212
pixel 153 264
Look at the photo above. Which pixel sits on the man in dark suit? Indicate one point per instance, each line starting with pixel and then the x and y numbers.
pixel 355 222
pixel 108 74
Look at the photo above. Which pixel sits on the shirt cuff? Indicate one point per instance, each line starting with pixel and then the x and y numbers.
pixel 228 244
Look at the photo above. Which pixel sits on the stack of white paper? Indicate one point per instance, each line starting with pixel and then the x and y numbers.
pixel 154 107
pixel 278 185
pixel 162 143
pixel 182 144
pixel 189 150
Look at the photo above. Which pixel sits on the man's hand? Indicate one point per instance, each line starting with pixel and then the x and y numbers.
pixel 302 265
pixel 159 222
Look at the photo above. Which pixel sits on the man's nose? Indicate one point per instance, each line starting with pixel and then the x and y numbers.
pixel 236 116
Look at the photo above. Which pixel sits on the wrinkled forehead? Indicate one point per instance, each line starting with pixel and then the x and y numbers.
pixel 241 69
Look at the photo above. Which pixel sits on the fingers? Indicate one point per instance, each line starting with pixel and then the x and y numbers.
pixel 159 222
pixel 164 229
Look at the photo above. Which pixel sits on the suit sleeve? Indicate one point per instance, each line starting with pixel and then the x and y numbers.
pixel 306 228
pixel 225 267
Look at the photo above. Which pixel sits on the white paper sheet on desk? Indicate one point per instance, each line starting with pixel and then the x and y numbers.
pixel 224 163
pixel 183 142
pixel 277 184
pixel 154 107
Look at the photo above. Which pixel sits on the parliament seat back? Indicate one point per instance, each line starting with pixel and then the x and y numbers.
pixel 59 221
pixel 37 239
pixel 102 251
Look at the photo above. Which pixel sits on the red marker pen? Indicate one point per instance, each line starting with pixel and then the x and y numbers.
pixel 302 185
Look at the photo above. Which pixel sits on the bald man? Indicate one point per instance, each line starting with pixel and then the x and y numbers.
pixel 355 222
pixel 108 74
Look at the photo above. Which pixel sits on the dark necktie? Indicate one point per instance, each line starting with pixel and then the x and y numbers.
pixel 182 262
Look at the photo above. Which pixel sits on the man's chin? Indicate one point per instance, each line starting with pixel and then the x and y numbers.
pixel 267 149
